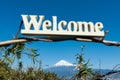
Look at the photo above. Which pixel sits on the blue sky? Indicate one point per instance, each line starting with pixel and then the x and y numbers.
pixel 105 11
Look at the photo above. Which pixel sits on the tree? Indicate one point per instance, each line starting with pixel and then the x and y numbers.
pixel 14 52
pixel 84 72
pixel 4 71
pixel 51 76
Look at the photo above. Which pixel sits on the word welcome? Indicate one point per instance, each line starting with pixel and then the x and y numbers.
pixel 38 25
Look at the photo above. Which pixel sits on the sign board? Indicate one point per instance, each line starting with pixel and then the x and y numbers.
pixel 38 25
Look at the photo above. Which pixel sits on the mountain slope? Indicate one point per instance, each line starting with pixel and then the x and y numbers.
pixel 67 71
pixel 63 68
pixel 70 71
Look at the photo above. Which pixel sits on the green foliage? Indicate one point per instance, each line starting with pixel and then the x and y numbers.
pixel 6 73
pixel 15 51
pixel 84 72
pixel 50 76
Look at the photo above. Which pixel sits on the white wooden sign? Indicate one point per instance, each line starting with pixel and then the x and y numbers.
pixel 38 25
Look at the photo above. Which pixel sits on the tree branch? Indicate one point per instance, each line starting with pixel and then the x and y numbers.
pixel 21 40
pixel 56 39
pixel 106 42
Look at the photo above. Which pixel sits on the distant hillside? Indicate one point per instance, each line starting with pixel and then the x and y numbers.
pixel 66 69
pixel 69 71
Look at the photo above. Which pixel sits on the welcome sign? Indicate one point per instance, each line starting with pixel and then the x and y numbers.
pixel 39 25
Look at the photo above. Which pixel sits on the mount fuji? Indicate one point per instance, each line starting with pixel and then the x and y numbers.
pixel 63 68
pixel 66 69
pixel 63 63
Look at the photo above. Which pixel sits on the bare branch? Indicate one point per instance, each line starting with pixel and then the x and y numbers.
pixel 19 29
pixel 56 39
pixel 8 42
pixel 111 43
pixel 106 42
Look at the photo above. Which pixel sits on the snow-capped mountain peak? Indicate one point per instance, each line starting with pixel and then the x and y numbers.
pixel 63 63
